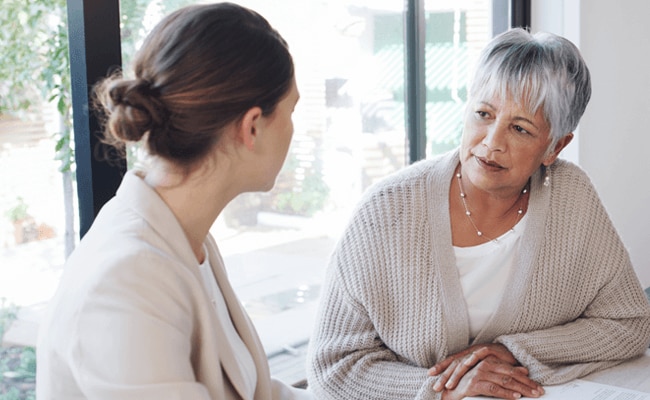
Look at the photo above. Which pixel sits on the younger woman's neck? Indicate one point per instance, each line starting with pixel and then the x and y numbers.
pixel 196 199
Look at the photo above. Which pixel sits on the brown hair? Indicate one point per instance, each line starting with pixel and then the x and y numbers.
pixel 199 70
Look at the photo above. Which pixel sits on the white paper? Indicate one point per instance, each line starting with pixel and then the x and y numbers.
pixel 586 390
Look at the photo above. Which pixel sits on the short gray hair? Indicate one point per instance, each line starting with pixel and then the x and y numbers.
pixel 536 70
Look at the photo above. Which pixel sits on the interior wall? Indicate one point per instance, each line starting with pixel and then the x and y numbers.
pixel 613 142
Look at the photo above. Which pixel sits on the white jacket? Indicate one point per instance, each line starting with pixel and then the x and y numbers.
pixel 132 320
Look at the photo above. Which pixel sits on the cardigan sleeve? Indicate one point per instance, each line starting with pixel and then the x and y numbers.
pixel 379 325
pixel 590 310
pixel 614 327
pixel 348 360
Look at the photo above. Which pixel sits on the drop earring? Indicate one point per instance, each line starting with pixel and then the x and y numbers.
pixel 547 178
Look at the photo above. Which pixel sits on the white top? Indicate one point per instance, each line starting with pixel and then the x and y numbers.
pixel 484 270
pixel 244 358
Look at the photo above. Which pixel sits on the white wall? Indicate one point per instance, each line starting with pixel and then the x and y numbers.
pixel 614 139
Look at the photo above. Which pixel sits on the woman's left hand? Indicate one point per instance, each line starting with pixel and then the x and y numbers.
pixel 454 367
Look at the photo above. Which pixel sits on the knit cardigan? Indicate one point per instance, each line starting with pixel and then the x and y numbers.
pixel 392 304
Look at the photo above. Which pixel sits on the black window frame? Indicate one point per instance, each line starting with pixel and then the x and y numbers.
pixel 95 51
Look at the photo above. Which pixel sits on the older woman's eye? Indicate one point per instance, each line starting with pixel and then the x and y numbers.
pixel 520 129
pixel 481 114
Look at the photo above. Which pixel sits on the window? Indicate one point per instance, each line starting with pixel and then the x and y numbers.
pixel 362 115
pixel 38 217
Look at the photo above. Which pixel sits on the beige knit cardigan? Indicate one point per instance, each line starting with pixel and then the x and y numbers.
pixel 392 304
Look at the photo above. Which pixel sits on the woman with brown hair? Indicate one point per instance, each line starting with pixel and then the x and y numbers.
pixel 145 309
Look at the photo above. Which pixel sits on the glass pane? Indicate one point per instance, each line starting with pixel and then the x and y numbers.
pixel 33 214
pixel 38 219
pixel 349 133
pixel 456 31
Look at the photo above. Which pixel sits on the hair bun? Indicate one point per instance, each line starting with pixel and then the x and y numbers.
pixel 135 109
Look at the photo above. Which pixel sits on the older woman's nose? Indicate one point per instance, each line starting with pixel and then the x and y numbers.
pixel 494 139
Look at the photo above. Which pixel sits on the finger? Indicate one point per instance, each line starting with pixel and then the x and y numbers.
pixel 444 364
pixel 511 379
pixel 493 385
pixel 526 382
pixel 491 389
pixel 441 366
pixel 444 376
pixel 461 369
pixel 510 383
pixel 500 352
pixel 518 373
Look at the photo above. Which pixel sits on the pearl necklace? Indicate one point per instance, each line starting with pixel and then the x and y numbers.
pixel 463 199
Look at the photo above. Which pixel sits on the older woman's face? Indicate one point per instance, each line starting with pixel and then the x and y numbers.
pixel 503 144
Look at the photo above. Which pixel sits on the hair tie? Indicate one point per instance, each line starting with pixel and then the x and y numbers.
pixel 145 87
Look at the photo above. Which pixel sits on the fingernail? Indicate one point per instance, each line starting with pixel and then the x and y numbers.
pixel 436 386
pixel 535 393
pixel 517 395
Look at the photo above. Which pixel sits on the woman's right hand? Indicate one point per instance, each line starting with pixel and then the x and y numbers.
pixel 494 378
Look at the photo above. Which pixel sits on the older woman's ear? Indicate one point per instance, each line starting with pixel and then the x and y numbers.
pixel 559 146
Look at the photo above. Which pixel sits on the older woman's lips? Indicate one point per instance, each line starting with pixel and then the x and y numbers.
pixel 485 163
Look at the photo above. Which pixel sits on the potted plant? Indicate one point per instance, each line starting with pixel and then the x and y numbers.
pixel 22 221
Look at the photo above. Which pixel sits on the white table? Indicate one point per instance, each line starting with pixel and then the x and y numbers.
pixel 633 374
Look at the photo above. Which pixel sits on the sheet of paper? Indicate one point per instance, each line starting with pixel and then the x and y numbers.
pixel 586 390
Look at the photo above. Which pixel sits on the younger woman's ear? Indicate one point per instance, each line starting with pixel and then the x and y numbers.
pixel 559 146
pixel 249 126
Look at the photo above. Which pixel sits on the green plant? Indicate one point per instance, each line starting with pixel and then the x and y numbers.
pixel 17 364
pixel 12 394
pixel 303 191
pixel 27 367
pixel 19 211
pixel 8 314
pixel 17 373
pixel 306 199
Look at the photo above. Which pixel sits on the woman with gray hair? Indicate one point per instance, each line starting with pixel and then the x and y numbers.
pixel 490 270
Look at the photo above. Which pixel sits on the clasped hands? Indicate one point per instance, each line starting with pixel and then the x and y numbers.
pixel 483 370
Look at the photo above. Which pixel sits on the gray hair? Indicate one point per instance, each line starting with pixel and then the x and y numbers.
pixel 536 70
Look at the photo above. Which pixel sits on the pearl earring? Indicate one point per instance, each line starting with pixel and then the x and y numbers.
pixel 547 178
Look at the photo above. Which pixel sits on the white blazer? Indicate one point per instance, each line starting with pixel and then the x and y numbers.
pixel 131 319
